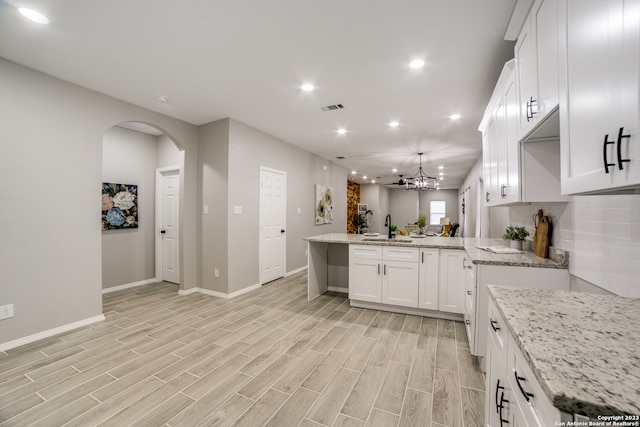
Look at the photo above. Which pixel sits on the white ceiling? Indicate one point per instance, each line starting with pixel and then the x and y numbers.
pixel 246 59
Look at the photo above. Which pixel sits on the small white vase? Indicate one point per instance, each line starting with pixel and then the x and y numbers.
pixel 515 244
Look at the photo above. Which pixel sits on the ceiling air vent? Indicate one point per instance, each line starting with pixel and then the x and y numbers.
pixel 341 157
pixel 332 107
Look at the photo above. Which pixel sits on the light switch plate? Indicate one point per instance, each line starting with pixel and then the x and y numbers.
pixel 237 210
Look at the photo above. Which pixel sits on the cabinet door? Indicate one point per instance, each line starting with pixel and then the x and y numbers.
pixel 490 164
pixel 526 72
pixel 451 289
pixel 600 95
pixel 428 288
pixel 497 398
pixel 470 304
pixel 365 273
pixel 511 145
pixel 400 283
pixel 544 15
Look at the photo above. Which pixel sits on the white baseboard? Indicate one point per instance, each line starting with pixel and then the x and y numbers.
pixel 221 294
pixel 297 270
pixel 130 285
pixel 51 332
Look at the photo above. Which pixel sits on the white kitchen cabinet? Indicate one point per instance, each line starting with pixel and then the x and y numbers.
pixel 451 282
pixel 400 283
pixel 504 275
pixel 533 405
pixel 599 95
pixel 515 171
pixel 470 300
pixel 365 273
pixel 400 276
pixel 428 278
pixel 536 54
pixel 387 275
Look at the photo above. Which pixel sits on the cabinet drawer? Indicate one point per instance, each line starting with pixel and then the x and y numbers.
pixel 527 392
pixel 392 253
pixel 497 329
pixel 365 252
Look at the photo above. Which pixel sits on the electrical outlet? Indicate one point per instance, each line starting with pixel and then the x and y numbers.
pixel 216 273
pixel 6 311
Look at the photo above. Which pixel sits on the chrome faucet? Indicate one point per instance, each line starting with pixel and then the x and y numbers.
pixel 387 223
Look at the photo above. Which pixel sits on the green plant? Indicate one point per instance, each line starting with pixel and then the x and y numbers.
pixel 515 233
pixel 422 220
pixel 362 220
pixel 393 227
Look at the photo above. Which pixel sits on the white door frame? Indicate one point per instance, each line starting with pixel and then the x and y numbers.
pixel 160 172
pixel 284 212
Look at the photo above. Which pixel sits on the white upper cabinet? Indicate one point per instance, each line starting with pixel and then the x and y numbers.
pixel 599 95
pixel 536 54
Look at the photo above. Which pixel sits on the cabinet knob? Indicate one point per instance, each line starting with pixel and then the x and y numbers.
pixel 468 292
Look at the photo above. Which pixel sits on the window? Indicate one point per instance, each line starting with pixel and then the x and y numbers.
pixel 437 210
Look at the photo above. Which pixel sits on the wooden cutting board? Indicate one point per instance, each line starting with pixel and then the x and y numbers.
pixel 541 239
pixel 536 220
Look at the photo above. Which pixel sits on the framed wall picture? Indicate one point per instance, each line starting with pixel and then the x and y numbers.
pixel 119 206
pixel 324 204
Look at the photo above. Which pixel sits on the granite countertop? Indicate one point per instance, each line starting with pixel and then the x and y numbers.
pixel 584 349
pixel 558 259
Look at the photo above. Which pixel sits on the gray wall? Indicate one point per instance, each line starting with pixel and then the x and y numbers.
pixel 51 168
pixel 130 157
pixel 406 204
pixel 230 157
pixel 377 198
pixel 213 169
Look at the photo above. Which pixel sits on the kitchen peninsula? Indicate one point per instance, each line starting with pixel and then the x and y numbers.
pixel 444 277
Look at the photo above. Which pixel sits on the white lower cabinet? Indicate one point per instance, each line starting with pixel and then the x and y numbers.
pixel 422 278
pixel 428 278
pixel 400 276
pixel 365 273
pixel 387 275
pixel 452 281
pixel 503 275
pixel 513 396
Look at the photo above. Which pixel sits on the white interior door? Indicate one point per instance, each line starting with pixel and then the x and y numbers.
pixel 170 226
pixel 273 190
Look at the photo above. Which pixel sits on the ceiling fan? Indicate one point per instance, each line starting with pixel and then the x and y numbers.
pixel 401 181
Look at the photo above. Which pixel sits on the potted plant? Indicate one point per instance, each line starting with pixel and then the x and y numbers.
pixel 393 229
pixel 515 236
pixel 362 221
pixel 422 222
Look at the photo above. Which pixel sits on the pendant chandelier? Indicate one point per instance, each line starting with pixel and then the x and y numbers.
pixel 420 181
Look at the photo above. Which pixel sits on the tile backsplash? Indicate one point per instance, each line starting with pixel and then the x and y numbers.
pixel 601 234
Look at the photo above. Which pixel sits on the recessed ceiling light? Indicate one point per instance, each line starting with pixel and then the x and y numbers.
pixel 341 131
pixel 441 178
pixel 394 170
pixel 394 124
pixel 353 172
pixel 454 116
pixel 373 181
pixel 162 98
pixel 364 176
pixel 416 63
pixel 33 15
pixel 440 167
pixel 441 173
pixel 307 87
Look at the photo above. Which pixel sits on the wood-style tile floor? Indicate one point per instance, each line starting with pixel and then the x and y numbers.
pixel 268 357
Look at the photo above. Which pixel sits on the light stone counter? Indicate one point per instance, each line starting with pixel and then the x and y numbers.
pixel 558 258
pixel 584 349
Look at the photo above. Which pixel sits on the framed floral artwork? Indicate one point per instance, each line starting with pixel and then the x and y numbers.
pixel 324 205
pixel 119 206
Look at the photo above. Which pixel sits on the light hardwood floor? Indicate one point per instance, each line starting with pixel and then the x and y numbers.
pixel 268 357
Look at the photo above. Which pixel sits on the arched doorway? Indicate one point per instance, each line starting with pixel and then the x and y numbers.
pixel 143 159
